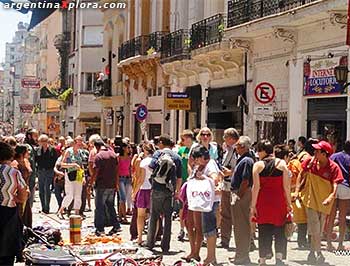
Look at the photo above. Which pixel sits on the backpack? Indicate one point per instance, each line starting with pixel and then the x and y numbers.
pixel 164 171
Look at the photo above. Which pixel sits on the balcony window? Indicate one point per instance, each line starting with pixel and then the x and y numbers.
pixel 141 45
pixel 176 46
pixel 242 11
pixel 90 82
pixel 207 31
pixel 93 35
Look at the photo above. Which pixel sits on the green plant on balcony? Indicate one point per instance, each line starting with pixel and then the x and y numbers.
pixel 188 42
pixel 221 28
pixel 151 51
pixel 64 96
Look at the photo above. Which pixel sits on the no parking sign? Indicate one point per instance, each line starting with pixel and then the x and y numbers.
pixel 265 93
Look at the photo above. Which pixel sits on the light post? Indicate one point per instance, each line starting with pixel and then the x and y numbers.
pixel 341 75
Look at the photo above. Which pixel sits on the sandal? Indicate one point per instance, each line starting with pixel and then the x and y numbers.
pixel 60 216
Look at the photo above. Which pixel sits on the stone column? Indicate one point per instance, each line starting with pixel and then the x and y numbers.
pixel 297 105
pixel 204 109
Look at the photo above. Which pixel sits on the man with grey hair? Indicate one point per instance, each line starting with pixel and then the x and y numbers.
pixel 45 158
pixel 231 136
pixel 241 184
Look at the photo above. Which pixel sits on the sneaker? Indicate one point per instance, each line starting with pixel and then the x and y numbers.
pixel 181 235
pixel 311 258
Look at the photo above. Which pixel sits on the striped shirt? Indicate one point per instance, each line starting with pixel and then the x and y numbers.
pixel 10 182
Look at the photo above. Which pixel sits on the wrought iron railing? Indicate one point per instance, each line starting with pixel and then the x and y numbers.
pixel 242 11
pixel 207 31
pixel 176 46
pixel 141 45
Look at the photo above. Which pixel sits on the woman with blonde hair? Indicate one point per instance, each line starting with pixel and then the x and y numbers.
pixel 72 161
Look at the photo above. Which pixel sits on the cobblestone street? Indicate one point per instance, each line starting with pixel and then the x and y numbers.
pixel 179 249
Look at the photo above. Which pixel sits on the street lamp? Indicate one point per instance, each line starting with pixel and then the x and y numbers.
pixel 341 75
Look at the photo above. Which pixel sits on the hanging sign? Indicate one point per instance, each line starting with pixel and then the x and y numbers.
pixel 319 77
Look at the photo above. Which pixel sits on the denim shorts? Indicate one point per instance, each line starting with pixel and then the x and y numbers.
pixel 124 188
pixel 209 221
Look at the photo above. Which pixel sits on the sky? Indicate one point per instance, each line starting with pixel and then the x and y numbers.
pixel 8 25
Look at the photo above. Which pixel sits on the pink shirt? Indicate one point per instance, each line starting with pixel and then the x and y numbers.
pixel 124 166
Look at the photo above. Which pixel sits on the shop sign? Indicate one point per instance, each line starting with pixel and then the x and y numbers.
pixel 177 95
pixel 319 77
pixel 26 108
pixel 178 104
pixel 31 83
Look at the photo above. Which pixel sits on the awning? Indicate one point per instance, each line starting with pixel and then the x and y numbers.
pixel 36 7
pixel 46 93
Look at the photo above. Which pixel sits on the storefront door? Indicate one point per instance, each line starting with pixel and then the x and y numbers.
pixel 327 120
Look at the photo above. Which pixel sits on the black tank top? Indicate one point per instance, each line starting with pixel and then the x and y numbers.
pixel 270 168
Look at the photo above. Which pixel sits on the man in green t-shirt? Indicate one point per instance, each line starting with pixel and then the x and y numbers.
pixel 187 137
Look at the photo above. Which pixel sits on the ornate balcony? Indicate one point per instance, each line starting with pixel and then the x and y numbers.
pixel 242 11
pixel 207 31
pixel 141 45
pixel 175 46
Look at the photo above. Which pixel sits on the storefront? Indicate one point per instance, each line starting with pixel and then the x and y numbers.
pixel 326 103
pixel 223 111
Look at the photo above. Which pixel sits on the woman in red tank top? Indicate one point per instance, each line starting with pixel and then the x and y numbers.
pixel 271 202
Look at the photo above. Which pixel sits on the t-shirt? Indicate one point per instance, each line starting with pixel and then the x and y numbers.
pixel 212 168
pixel 10 182
pixel 106 167
pixel 243 171
pixel 184 154
pixel 343 161
pixel 148 172
pixel 330 172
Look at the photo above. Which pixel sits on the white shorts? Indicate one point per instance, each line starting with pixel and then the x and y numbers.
pixel 343 192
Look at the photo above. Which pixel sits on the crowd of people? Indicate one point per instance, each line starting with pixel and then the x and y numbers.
pixel 218 191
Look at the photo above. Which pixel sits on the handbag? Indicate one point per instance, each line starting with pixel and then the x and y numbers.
pixel 72 176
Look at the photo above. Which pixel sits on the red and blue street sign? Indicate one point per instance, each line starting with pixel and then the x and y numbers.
pixel 141 113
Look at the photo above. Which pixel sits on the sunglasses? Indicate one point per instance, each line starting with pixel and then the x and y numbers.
pixel 205 134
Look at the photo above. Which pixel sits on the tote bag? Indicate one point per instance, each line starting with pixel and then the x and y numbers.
pixel 200 194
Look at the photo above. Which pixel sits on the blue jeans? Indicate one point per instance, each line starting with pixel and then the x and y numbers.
pixel 124 188
pixel 104 201
pixel 45 180
pixel 209 221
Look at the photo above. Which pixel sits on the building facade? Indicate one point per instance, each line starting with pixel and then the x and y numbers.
pixel 293 50
pixel 83 113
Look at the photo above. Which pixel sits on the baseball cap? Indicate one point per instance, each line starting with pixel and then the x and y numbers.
pixel 323 145
pixel 200 151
